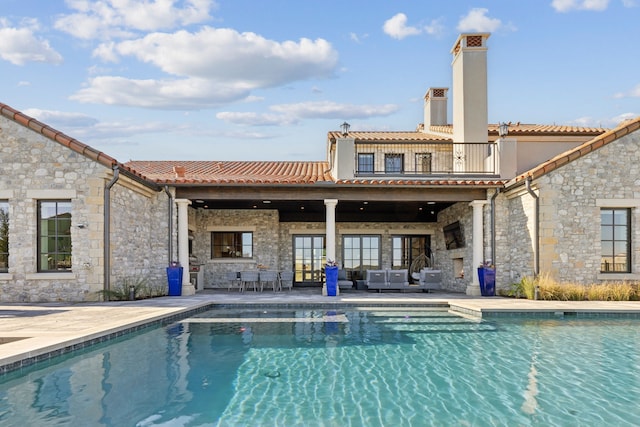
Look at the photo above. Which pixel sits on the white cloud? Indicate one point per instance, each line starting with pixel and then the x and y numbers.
pixel 568 5
pixel 118 18
pixel 397 28
pixel 435 28
pixel 606 122
pixel 212 67
pixel 21 45
pixel 256 119
pixel 61 118
pixel 477 20
pixel 333 110
pixel 287 114
pixel 633 93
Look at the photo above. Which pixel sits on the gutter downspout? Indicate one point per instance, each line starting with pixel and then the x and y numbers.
pixel 170 210
pixel 493 225
pixel 536 233
pixel 107 230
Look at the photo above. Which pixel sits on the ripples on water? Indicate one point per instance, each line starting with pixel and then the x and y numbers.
pixel 371 367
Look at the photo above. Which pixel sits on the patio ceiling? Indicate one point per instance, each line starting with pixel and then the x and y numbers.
pixel 346 211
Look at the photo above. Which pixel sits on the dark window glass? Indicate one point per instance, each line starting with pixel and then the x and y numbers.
pixel 615 240
pixel 365 163
pixel 54 231
pixel 423 162
pixel 394 163
pixel 4 237
pixel 235 244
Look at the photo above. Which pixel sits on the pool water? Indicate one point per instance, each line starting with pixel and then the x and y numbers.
pixel 344 367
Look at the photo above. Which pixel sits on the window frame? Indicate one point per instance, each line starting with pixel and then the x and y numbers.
pixel 366 162
pixel 359 271
pixel 55 257
pixel 420 159
pixel 616 238
pixel 4 236
pixel 238 243
pixel 388 157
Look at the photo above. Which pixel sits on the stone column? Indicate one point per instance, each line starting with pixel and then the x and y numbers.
pixel 183 245
pixel 478 245
pixel 330 239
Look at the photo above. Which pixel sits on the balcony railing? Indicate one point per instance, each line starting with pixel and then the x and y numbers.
pixel 425 160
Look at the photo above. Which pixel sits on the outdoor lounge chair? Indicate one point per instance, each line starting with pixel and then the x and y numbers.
pixel 398 279
pixel 343 282
pixel 377 279
pixel 430 279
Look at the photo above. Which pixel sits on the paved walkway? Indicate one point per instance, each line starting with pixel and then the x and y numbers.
pixel 30 332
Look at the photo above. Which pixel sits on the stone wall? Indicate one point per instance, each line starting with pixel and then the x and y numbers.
pixel 571 198
pixel 35 168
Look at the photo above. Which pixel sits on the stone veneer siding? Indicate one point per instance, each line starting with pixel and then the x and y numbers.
pixel 34 168
pixel 273 241
pixel 570 201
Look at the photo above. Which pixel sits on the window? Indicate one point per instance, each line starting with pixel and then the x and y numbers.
pixel 231 244
pixel 406 249
pixel 423 162
pixel 365 163
pixel 394 163
pixel 4 237
pixel 360 253
pixel 615 237
pixel 54 231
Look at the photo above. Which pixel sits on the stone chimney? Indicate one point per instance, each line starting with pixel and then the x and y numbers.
pixel 470 116
pixel 435 107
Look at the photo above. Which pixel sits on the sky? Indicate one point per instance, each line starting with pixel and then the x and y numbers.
pixel 267 79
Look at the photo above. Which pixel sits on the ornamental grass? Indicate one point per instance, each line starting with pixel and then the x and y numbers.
pixel 552 290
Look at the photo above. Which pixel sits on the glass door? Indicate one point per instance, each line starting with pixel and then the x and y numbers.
pixel 309 260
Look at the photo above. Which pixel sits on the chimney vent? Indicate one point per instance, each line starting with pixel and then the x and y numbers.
pixel 435 107
pixel 179 171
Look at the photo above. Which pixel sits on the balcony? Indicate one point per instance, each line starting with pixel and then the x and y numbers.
pixel 426 160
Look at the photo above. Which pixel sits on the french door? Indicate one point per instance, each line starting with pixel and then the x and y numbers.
pixel 308 260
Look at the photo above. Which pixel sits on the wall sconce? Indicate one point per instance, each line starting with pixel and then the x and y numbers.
pixel 82 225
pixel 345 128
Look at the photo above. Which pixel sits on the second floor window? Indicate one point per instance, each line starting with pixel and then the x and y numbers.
pixel 4 237
pixel 365 163
pixel 394 163
pixel 54 231
pixel 234 244
pixel 423 162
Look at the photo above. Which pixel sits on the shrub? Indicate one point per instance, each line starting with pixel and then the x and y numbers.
pixel 549 289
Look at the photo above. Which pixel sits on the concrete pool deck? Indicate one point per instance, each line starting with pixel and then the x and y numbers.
pixel 33 332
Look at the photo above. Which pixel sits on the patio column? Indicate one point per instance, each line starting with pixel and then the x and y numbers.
pixel 183 245
pixel 477 241
pixel 330 239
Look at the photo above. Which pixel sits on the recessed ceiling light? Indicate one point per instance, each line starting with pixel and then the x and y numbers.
pixel 266 202
pixel 365 203
pixel 302 207
pixel 199 201
pixel 431 203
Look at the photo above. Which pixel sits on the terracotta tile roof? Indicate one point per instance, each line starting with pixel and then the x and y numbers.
pixel 601 140
pixel 452 182
pixel 539 130
pixel 385 136
pixel 233 172
pixel 67 141
pixel 515 129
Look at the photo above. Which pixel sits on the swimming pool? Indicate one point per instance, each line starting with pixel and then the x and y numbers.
pixel 341 367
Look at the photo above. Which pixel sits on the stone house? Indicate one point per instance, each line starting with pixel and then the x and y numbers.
pixel 75 222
